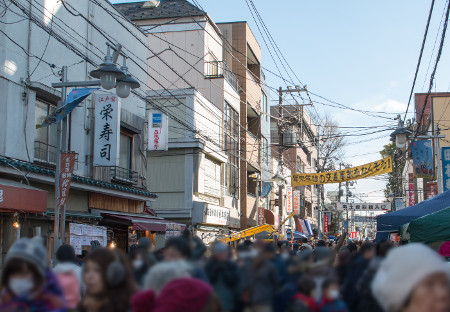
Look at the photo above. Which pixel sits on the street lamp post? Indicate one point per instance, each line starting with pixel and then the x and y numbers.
pixel 400 135
pixel 110 76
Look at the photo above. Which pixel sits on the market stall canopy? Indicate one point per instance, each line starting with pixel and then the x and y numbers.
pixel 15 196
pixel 430 228
pixel 142 223
pixel 391 222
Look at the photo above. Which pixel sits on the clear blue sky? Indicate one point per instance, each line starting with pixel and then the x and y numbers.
pixel 360 53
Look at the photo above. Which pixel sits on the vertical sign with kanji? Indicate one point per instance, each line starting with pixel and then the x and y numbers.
pixel 158 131
pixel 326 220
pixel 260 215
pixel 289 199
pixel 297 202
pixel 411 197
pixel 107 133
pixel 67 166
pixel 446 168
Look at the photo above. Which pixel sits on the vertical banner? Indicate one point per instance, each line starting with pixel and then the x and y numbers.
pixel 297 202
pixel 107 130
pixel 158 131
pixel 411 197
pixel 289 199
pixel 67 166
pixel 260 215
pixel 326 221
pixel 446 168
pixel 432 189
pixel 422 154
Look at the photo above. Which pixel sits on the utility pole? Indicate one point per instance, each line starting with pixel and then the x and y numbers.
pixel 281 148
pixel 60 145
pixel 319 199
pixel 339 199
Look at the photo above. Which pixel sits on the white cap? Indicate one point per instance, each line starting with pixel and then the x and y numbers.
pixel 403 268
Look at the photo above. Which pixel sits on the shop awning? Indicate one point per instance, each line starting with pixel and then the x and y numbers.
pixel 15 196
pixel 142 223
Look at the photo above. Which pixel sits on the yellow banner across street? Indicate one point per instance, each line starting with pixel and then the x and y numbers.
pixel 355 173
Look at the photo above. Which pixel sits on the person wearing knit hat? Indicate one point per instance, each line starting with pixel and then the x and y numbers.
pixel 182 294
pixel 27 284
pixel 413 278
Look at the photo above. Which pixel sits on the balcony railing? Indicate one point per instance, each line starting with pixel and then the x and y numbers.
pixel 124 176
pixel 219 69
pixel 45 153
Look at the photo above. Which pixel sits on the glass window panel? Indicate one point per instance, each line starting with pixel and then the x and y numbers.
pixel 125 151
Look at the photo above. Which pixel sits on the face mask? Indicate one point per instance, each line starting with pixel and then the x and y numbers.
pixel 138 263
pixel 285 256
pixel 334 294
pixel 21 286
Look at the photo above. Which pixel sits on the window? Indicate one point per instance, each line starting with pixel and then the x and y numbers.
pixel 265 105
pixel 308 158
pixel 126 144
pixel 231 134
pixel 265 150
pixel 45 140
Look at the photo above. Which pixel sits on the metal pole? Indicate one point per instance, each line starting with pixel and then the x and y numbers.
pixel 439 162
pixel 65 147
pixel 59 146
pixel 280 152
pixel 346 200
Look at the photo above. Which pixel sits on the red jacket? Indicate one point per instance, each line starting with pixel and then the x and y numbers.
pixel 308 301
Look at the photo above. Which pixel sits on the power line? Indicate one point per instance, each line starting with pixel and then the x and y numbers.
pixel 420 57
pixel 438 57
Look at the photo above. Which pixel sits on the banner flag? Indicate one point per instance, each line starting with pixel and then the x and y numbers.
pixel 75 97
pixel 422 154
pixel 355 173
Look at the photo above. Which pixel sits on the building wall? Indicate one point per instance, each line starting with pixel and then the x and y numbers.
pixel 17 118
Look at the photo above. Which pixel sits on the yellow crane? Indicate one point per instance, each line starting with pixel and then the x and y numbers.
pixel 255 230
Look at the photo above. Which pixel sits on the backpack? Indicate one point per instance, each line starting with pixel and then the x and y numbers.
pixel 71 288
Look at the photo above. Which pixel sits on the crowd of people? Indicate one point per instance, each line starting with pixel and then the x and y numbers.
pixel 251 276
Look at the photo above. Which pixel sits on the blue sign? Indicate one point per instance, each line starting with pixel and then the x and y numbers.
pixel 446 168
pixel 157 120
pixel 422 154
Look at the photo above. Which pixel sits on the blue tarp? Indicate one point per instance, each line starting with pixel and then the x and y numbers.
pixel 390 222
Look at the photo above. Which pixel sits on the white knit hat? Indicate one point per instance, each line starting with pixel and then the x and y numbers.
pixel 403 268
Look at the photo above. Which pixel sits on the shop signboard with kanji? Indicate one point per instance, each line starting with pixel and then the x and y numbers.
pixel 364 206
pixel 411 196
pixel 431 189
pixel 422 154
pixel 260 215
pixel 67 167
pixel 158 131
pixel 297 202
pixel 446 168
pixel 289 199
pixel 326 221
pixel 107 134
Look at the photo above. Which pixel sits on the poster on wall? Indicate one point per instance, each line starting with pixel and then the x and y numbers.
pixel 82 235
pixel 107 130
pixel 446 168
pixel 158 131
pixel 289 199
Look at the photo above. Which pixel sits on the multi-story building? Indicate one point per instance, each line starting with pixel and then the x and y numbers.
pixel 242 54
pixel 190 78
pixel 299 152
pixel 53 35
pixel 432 115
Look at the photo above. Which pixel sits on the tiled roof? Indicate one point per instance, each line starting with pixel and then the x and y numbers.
pixel 30 167
pixel 165 9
